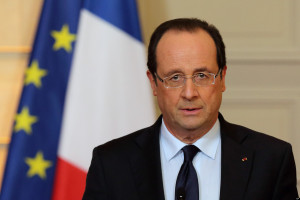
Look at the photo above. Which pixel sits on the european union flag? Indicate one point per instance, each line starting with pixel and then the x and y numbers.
pixel 32 153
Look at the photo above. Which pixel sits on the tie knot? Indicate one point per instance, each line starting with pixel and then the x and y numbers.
pixel 189 152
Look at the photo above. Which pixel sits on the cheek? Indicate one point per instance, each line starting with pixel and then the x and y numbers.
pixel 211 97
pixel 167 99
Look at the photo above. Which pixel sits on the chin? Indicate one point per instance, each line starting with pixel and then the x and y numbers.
pixel 191 126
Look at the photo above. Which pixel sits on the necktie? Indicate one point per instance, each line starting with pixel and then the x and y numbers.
pixel 187 182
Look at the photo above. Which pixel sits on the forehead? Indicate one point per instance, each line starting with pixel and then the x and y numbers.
pixel 181 50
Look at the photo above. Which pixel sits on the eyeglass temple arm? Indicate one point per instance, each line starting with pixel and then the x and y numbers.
pixel 219 72
pixel 161 80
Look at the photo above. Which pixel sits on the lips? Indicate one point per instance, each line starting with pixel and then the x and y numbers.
pixel 190 108
pixel 190 111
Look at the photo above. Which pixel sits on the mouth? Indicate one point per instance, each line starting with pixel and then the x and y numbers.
pixel 190 111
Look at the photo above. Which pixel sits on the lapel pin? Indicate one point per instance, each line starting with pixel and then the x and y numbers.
pixel 244 159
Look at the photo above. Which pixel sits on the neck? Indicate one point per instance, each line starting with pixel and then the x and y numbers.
pixel 189 136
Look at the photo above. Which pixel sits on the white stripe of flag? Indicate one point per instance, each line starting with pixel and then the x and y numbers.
pixel 108 93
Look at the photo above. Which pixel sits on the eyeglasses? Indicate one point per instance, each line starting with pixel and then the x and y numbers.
pixel 199 79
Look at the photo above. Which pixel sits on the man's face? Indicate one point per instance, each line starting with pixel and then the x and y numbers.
pixel 189 108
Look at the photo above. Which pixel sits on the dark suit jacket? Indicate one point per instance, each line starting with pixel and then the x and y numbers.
pixel 129 168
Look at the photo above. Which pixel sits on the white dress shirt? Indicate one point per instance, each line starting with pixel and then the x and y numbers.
pixel 207 163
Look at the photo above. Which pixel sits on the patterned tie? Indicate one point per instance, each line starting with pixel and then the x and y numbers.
pixel 187 182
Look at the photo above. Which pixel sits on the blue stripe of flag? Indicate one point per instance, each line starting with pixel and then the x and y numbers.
pixel 122 14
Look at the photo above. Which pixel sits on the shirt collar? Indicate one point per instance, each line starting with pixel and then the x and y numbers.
pixel 208 143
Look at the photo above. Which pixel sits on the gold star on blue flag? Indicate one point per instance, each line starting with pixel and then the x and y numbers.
pixel 24 121
pixel 63 38
pixel 37 165
pixel 34 74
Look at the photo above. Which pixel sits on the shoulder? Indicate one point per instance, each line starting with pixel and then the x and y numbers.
pixel 271 159
pixel 122 144
pixel 131 142
pixel 253 139
pixel 269 153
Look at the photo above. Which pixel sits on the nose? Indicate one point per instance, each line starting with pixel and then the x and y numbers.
pixel 189 90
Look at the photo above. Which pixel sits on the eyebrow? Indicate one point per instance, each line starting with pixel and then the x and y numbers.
pixel 201 69
pixel 179 71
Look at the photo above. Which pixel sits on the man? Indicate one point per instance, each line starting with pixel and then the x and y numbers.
pixel 191 152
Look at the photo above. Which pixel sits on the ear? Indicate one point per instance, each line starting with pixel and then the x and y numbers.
pixel 223 78
pixel 152 82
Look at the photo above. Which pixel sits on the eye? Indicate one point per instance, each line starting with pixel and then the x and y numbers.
pixel 175 77
pixel 201 76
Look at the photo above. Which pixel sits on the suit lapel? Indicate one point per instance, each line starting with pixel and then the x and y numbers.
pixel 236 163
pixel 146 164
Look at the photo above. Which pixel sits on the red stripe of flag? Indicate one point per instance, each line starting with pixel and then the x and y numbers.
pixel 69 181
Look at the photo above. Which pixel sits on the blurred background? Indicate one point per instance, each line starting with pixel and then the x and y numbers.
pixel 262 40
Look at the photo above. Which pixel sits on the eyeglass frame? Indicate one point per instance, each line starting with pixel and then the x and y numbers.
pixel 186 77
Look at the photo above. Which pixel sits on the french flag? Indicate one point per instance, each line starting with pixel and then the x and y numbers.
pixel 108 94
